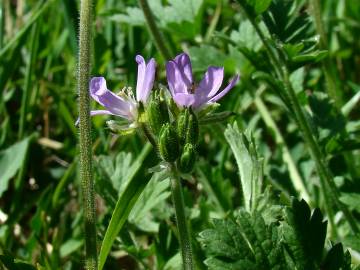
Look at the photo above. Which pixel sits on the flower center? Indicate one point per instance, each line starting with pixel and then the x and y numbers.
pixel 192 88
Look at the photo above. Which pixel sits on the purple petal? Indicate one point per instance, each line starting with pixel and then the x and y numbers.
pixel 92 113
pixel 232 83
pixel 184 65
pixel 184 100
pixel 212 81
pixel 145 79
pixel 113 103
pixel 175 79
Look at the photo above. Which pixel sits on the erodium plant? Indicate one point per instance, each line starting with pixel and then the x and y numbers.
pixel 170 122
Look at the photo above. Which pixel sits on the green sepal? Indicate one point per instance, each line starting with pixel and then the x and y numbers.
pixel 157 112
pixel 168 143
pixel 188 127
pixel 187 159
pixel 215 117
pixel 121 129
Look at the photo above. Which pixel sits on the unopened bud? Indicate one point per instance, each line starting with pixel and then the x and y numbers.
pixel 157 112
pixel 187 159
pixel 168 143
pixel 188 127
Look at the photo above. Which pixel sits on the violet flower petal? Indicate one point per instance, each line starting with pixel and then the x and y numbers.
pixel 209 85
pixel 184 99
pixel 113 103
pixel 212 81
pixel 145 78
pixel 222 93
pixel 175 79
pixel 184 64
pixel 96 112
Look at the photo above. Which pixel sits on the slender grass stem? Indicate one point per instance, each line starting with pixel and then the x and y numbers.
pixel 28 75
pixel 87 185
pixel 330 74
pixel 154 30
pixel 293 171
pixel 182 225
pixel 214 22
pixel 328 187
pixel 2 20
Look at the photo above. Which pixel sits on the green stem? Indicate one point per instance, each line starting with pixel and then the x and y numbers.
pixel 154 30
pixel 184 236
pixel 27 84
pixel 2 20
pixel 330 74
pixel 87 185
pixel 214 22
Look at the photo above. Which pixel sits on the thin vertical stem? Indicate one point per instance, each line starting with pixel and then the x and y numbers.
pixel 154 30
pixel 330 74
pixel 87 185
pixel 2 20
pixel 181 221
pixel 28 74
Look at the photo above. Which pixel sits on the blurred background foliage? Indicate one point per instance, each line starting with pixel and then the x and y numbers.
pixel 39 189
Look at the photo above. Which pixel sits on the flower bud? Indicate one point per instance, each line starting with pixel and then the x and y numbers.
pixel 157 112
pixel 168 143
pixel 188 127
pixel 187 159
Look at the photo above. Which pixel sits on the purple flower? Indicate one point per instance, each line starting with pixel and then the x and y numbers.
pixel 186 93
pixel 124 104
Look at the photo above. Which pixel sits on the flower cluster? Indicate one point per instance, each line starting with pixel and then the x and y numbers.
pixel 176 139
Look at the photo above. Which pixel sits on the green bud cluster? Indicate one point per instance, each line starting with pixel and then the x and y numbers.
pixel 177 136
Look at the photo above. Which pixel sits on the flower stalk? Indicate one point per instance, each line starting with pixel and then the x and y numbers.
pixel 87 186
pixel 154 30
pixel 181 223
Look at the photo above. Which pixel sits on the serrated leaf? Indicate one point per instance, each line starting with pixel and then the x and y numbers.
pixel 337 259
pixel 304 234
pixel 247 243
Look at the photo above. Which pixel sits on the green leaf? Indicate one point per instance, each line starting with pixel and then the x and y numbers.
pixel 337 259
pixel 249 164
pixel 259 5
pixel 70 246
pixel 14 264
pixel 247 243
pixel 155 192
pixel 304 233
pixel 124 205
pixel 352 200
pixel 11 160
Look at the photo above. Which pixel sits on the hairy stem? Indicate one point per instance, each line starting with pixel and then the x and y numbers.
pixel 182 225
pixel 87 185
pixel 154 30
